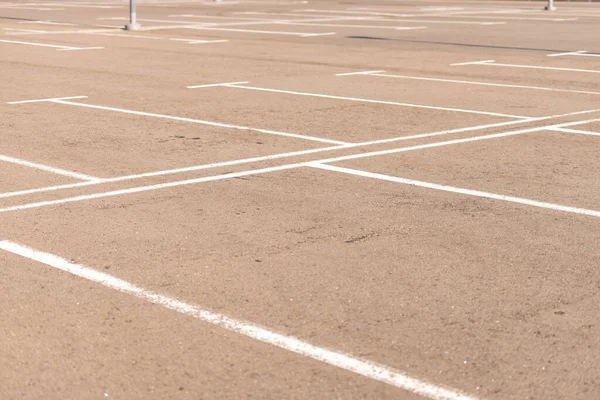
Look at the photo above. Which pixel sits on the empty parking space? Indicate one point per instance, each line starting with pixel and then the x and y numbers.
pixel 551 166
pixel 16 176
pixel 280 199
pixel 148 351
pixel 431 247
pixel 104 147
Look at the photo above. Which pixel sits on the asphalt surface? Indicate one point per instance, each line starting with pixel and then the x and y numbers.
pixel 424 228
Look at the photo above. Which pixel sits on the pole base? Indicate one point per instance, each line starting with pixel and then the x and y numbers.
pixel 550 8
pixel 132 27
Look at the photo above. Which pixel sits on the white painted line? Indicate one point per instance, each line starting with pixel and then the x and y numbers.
pixel 39 44
pixel 378 19
pixel 306 17
pixel 157 20
pixel 195 121
pixel 278 168
pixel 495 64
pixel 474 62
pixel 260 171
pixel 398 28
pixel 23 30
pixel 215 84
pixel 47 23
pixel 262 158
pixel 447 142
pixel 31 8
pixel 505 17
pixel 566 54
pixel 47 168
pixel 207 41
pixel 426 21
pixel 448 132
pixel 191 41
pixel 359 73
pixel 452 189
pixel 150 187
pixel 175 171
pixel 420 78
pixel 203 122
pixel 344 361
pixel 580 53
pixel 586 54
pixel 297 153
pixel 377 101
pixel 82 48
pixel 577 131
pixel 46 99
pixel 204 28
pixel 570 114
pixel 216 17
pixel 127 35
pixel 268 20
pixel 318 34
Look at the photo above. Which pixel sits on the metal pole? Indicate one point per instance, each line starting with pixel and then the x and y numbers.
pixel 550 6
pixel 132 25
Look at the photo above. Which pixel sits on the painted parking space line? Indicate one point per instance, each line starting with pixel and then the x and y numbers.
pixel 541 67
pixel 465 82
pixel 366 368
pixel 58 47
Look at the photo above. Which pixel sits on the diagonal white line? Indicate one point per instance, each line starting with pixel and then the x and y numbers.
pixel 344 361
pixel 452 189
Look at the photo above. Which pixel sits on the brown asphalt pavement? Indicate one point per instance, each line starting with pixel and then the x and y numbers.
pixel 438 221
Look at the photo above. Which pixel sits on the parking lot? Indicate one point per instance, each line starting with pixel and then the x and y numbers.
pixel 299 199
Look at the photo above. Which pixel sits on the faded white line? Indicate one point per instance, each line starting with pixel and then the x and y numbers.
pixel 377 101
pixel 398 28
pixel 82 48
pixel 191 41
pixel 176 170
pixel 428 21
pixel 566 54
pixel 305 152
pixel 465 140
pixel 47 45
pixel 31 8
pixel 47 23
pixel 473 63
pixel 257 159
pixel 62 100
pixel 359 73
pixel 319 34
pixel 505 17
pixel 47 168
pixel 46 99
pixel 23 30
pixel 198 121
pixel 260 171
pixel 577 131
pixel 215 84
pixel 495 64
pixel 420 78
pixel 580 53
pixel 301 34
pixel 449 131
pixel 366 368
pixel 452 189
pixel 149 188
